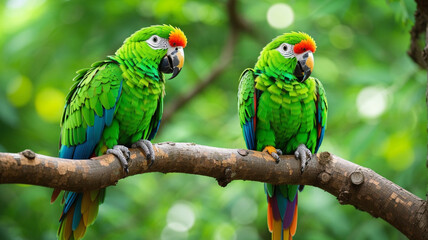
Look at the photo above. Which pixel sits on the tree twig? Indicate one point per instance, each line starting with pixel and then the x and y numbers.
pixel 419 56
pixel 237 25
pixel 349 182
pixel 415 52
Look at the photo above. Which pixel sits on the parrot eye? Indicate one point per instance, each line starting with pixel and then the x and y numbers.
pixel 286 50
pixel 157 42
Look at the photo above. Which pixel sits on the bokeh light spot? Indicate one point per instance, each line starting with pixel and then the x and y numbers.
pixel 341 37
pixel 225 232
pixel 180 217
pixel 325 69
pixel 372 101
pixel 280 15
pixel 247 233
pixel 171 234
pixel 244 210
pixel 49 104
pixel 327 21
pixel 15 4
pixel 19 91
pixel 201 12
pixel 397 150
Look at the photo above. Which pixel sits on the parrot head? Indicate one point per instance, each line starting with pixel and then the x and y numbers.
pixel 290 55
pixel 160 46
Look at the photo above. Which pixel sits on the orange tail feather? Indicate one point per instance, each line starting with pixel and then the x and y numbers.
pixel 293 225
pixel 270 217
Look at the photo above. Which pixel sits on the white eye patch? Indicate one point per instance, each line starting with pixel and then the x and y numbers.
pixel 286 50
pixel 157 42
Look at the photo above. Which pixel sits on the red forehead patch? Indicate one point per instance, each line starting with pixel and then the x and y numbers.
pixel 305 45
pixel 177 38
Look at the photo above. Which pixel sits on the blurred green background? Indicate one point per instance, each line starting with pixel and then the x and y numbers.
pixel 376 94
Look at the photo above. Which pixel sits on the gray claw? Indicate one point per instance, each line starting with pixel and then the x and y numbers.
pixel 303 154
pixel 275 156
pixel 122 153
pixel 147 148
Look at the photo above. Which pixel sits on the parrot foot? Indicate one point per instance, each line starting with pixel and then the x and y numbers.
pixel 147 148
pixel 273 152
pixel 303 154
pixel 122 153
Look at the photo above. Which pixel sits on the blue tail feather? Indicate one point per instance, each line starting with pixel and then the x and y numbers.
pixel 71 196
pixel 77 212
pixel 282 203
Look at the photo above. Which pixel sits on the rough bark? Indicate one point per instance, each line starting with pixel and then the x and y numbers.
pixel 349 182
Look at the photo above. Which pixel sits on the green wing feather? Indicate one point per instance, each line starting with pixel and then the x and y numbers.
pixel 246 96
pixel 246 107
pixel 96 88
pixel 322 109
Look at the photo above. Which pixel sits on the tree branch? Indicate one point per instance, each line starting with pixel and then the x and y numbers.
pixel 349 182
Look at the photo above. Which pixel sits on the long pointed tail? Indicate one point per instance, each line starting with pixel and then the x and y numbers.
pixel 80 211
pixel 282 210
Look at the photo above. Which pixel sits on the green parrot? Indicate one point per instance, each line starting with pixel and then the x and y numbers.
pixel 114 104
pixel 283 110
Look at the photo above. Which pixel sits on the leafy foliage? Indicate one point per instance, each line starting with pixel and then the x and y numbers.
pixel 376 94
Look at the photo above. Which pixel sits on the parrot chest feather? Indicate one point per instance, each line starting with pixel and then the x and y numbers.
pixel 286 115
pixel 137 105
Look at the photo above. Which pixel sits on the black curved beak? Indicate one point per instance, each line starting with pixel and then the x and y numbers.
pixel 304 66
pixel 172 62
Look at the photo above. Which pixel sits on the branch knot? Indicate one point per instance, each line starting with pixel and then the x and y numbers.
pixel 226 179
pixel 29 154
pixel 324 177
pixel 357 177
pixel 325 157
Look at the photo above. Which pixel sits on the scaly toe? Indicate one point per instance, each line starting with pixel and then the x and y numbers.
pixel 122 153
pixel 124 150
pixel 303 154
pixel 273 152
pixel 275 156
pixel 147 148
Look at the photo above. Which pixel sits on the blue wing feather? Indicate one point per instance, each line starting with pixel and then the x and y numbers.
pixel 248 130
pixel 93 135
pixel 320 139
pixel 108 116
pixel 66 152
pixel 153 132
